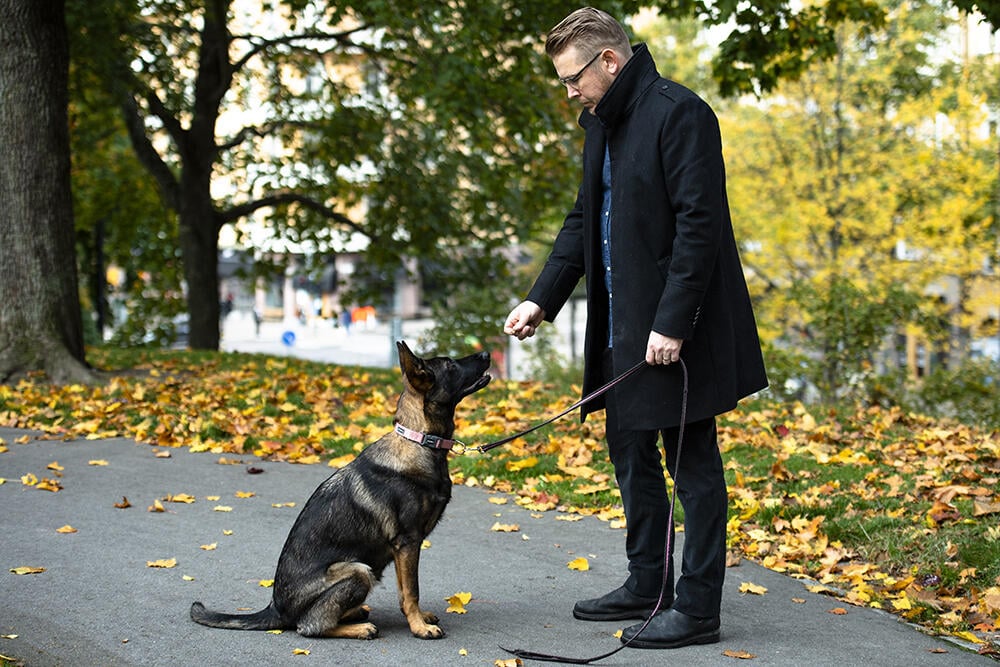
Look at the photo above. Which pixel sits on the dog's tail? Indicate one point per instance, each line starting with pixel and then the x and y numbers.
pixel 265 619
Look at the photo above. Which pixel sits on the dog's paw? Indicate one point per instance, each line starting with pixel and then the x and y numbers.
pixel 428 632
pixel 430 618
pixel 366 631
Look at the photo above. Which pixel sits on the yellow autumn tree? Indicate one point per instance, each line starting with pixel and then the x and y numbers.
pixel 862 193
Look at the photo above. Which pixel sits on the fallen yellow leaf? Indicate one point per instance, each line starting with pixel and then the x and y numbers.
pixel 341 461
pixel 747 587
pixel 222 508
pixel 97 462
pixel 163 562
pixel 55 466
pixel 27 570
pixel 522 464
pixel 66 529
pixel 209 547
pixel 266 583
pixel 300 651
pixel 984 507
pixel 741 655
pixel 505 527
pixel 902 604
pixel 457 602
pixel 157 506
pixel 185 498
pixel 497 500
pixel 245 494
pixel 580 564
pixel 49 485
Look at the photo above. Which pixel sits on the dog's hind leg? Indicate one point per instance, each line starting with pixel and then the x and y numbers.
pixel 349 585
pixel 422 624
pixel 356 615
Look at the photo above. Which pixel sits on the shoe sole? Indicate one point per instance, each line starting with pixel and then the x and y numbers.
pixel 639 614
pixel 704 638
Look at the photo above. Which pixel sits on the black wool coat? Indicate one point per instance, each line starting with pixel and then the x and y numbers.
pixel 675 265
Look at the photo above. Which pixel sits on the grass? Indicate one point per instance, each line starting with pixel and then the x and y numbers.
pixel 888 509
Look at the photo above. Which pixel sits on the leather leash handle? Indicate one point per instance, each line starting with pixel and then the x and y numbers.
pixel 586 399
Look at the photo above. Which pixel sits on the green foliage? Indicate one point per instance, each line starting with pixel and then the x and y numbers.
pixel 771 42
pixel 421 127
pixel 967 393
pixel 845 326
pixel 547 364
pixel 120 218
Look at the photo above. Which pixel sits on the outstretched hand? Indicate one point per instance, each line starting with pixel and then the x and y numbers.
pixel 523 321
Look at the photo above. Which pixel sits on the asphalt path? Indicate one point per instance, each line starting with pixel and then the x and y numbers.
pixel 99 602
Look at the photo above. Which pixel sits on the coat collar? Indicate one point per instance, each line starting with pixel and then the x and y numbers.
pixel 638 74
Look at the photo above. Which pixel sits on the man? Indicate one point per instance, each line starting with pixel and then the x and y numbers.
pixel 650 231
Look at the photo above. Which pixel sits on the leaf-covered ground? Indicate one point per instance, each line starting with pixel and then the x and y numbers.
pixel 872 506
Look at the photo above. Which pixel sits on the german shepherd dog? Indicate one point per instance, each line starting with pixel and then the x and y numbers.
pixel 376 510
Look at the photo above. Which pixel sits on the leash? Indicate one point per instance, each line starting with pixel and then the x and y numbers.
pixel 459 447
pixel 668 547
pixel 482 449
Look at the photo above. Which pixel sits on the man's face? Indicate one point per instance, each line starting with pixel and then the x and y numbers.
pixel 585 75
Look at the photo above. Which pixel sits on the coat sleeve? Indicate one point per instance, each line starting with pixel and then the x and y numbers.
pixel 691 146
pixel 564 266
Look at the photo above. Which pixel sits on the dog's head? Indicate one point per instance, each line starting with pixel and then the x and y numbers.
pixel 443 380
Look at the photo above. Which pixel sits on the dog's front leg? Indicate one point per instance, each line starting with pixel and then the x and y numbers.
pixel 422 624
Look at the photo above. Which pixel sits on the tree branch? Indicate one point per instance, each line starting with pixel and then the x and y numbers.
pixel 260 131
pixel 284 199
pixel 147 154
pixel 260 45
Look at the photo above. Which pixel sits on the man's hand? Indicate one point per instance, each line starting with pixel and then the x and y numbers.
pixel 523 321
pixel 662 350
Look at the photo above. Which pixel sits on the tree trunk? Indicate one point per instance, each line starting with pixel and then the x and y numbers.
pixel 40 321
pixel 200 250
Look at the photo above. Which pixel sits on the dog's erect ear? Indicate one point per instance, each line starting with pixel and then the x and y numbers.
pixel 414 369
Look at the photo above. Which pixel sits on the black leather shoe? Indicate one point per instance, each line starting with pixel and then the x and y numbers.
pixel 617 605
pixel 672 629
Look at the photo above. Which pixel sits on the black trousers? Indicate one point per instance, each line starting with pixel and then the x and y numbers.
pixel 701 490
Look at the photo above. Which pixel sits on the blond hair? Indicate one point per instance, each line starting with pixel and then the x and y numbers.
pixel 589 30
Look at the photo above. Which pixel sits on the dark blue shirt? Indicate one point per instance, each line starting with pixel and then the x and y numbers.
pixel 606 231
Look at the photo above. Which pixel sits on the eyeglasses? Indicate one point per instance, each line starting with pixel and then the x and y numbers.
pixel 574 79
